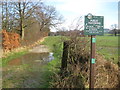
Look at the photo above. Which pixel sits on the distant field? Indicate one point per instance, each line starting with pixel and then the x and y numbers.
pixel 107 46
pixel 110 41
pixel 110 34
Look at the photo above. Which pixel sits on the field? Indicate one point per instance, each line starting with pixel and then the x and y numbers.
pixel 107 46
pixel 108 41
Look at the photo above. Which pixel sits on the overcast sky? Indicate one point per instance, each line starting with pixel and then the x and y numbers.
pixel 72 9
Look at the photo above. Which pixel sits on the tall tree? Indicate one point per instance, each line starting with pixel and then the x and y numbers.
pixel 24 11
pixel 5 13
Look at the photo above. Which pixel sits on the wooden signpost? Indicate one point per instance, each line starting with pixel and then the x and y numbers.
pixel 94 25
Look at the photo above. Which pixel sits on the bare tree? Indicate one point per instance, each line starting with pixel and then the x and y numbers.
pixel 76 24
pixel 5 14
pixel 47 17
pixel 21 14
pixel 17 15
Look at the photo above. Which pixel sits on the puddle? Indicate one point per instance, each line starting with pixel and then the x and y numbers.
pixel 37 55
pixel 32 58
pixel 15 62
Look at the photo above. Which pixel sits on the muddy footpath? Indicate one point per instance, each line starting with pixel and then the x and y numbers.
pixel 27 70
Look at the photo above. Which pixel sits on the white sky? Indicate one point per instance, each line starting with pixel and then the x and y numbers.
pixel 72 9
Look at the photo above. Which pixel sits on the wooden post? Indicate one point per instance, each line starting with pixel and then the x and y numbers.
pixel 92 61
pixel 65 55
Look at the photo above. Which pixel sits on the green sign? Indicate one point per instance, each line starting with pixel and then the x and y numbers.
pixel 94 25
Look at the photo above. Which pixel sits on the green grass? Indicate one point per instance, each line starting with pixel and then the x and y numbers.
pixel 108 41
pixel 108 34
pixel 49 70
pixel 55 45
pixel 15 79
pixel 107 46
pixel 50 41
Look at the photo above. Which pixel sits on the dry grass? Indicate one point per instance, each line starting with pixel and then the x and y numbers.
pixel 107 73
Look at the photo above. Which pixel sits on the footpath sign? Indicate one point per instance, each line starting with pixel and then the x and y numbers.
pixel 93 25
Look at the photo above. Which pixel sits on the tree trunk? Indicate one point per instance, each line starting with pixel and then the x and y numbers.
pixel 115 32
pixel 21 22
pixel 2 15
pixel 6 21
pixel 22 32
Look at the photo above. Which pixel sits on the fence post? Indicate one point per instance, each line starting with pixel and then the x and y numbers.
pixel 65 55
pixel 92 61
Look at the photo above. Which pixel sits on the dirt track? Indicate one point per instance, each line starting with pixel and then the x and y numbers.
pixel 40 49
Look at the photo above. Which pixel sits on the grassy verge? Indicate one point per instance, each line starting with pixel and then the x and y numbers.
pixel 48 72
pixel 51 41
pixel 55 45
